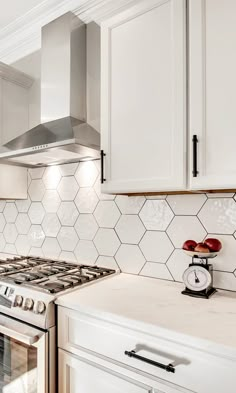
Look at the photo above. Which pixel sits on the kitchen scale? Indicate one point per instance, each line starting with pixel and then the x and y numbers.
pixel 198 277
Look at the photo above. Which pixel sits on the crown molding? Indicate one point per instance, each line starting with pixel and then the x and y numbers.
pixel 11 74
pixel 23 36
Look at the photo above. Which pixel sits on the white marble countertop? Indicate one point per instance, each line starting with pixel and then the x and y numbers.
pixel 158 304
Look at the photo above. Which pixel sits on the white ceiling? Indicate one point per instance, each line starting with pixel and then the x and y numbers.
pixel 14 9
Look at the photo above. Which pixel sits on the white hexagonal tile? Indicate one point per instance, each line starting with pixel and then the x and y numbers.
pixel 107 214
pixel 186 204
pixel 2 242
pixel 51 225
pixel 2 205
pixel 86 252
pixel 130 259
pixel 67 238
pixel 86 174
pixel 130 205
pixel 156 214
pixel 51 177
pixel 220 195
pixel 106 242
pixel 68 188
pixel 86 200
pixel 36 213
pixel 101 196
pixel 218 215
pixel 86 226
pixel 68 256
pixel 224 260
pixel 68 213
pixel 36 190
pixel 36 252
pixel 22 245
pixel 10 233
pixel 36 173
pixel 10 249
pixel 177 264
pixel 2 222
pixel 10 212
pixel 224 280
pixel 156 270
pixel 51 248
pixel 51 201
pixel 36 236
pixel 68 169
pixel 130 229
pixel 23 223
pixel 156 246
pixel 23 205
pixel 183 228
pixel 108 262
pixel 161 196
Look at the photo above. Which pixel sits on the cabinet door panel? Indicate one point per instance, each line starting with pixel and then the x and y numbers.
pixel 212 92
pixel 143 93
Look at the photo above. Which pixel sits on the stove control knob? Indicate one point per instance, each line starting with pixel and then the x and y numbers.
pixel 39 307
pixel 18 301
pixel 28 304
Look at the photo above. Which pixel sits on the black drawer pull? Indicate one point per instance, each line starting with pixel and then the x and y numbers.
pixel 102 166
pixel 195 142
pixel 168 367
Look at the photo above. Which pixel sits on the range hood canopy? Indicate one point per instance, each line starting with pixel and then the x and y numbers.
pixel 63 135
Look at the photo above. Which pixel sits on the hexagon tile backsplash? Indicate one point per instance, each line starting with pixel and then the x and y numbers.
pixel 67 217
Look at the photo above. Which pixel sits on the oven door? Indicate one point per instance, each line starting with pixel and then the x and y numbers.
pixel 24 359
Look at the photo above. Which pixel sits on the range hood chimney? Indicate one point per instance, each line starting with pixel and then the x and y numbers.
pixel 63 134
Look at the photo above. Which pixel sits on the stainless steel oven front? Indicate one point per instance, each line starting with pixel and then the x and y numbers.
pixel 26 356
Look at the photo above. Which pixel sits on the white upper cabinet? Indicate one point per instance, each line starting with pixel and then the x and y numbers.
pixel 212 86
pixel 143 84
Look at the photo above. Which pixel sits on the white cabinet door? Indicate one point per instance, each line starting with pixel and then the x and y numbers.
pixel 143 98
pixel 78 376
pixel 213 92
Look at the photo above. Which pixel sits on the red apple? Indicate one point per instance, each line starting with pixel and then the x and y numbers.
pixel 201 247
pixel 214 245
pixel 189 245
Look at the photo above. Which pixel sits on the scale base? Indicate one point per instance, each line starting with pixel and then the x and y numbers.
pixel 201 294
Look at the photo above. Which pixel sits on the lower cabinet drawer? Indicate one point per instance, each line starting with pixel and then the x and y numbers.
pixel 196 370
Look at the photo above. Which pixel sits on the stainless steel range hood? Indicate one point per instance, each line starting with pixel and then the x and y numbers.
pixel 63 135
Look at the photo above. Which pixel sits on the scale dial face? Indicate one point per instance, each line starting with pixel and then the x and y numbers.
pixel 197 278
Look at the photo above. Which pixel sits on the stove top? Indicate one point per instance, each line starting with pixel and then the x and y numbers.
pixel 32 284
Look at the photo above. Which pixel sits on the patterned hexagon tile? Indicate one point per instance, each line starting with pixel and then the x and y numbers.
pixel 157 270
pixel 108 262
pixel 51 177
pixel 130 259
pixel 86 252
pixel 107 214
pixel 218 215
pixel 185 227
pixel 2 222
pixel 186 204
pixel 68 256
pixel 23 223
pixel 225 260
pixel 86 200
pixel 156 215
pixel 51 248
pixel 106 242
pixel 67 238
pixel 86 226
pixel 2 242
pixel 10 249
pixel 224 280
pixel 156 246
pixel 101 196
pixel 68 169
pixel 36 236
pixel 37 173
pixel 36 252
pixel 10 212
pixel 23 205
pixel 2 205
pixel 51 225
pixel 68 188
pixel 22 245
pixel 51 201
pixel 67 213
pixel 130 205
pixel 86 174
pixel 10 233
pixel 177 264
pixel 130 229
pixel 36 213
pixel 36 190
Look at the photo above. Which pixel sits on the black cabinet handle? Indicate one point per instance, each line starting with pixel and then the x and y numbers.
pixel 195 142
pixel 168 367
pixel 102 166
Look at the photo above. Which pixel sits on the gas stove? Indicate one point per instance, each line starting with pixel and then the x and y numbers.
pixel 29 286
